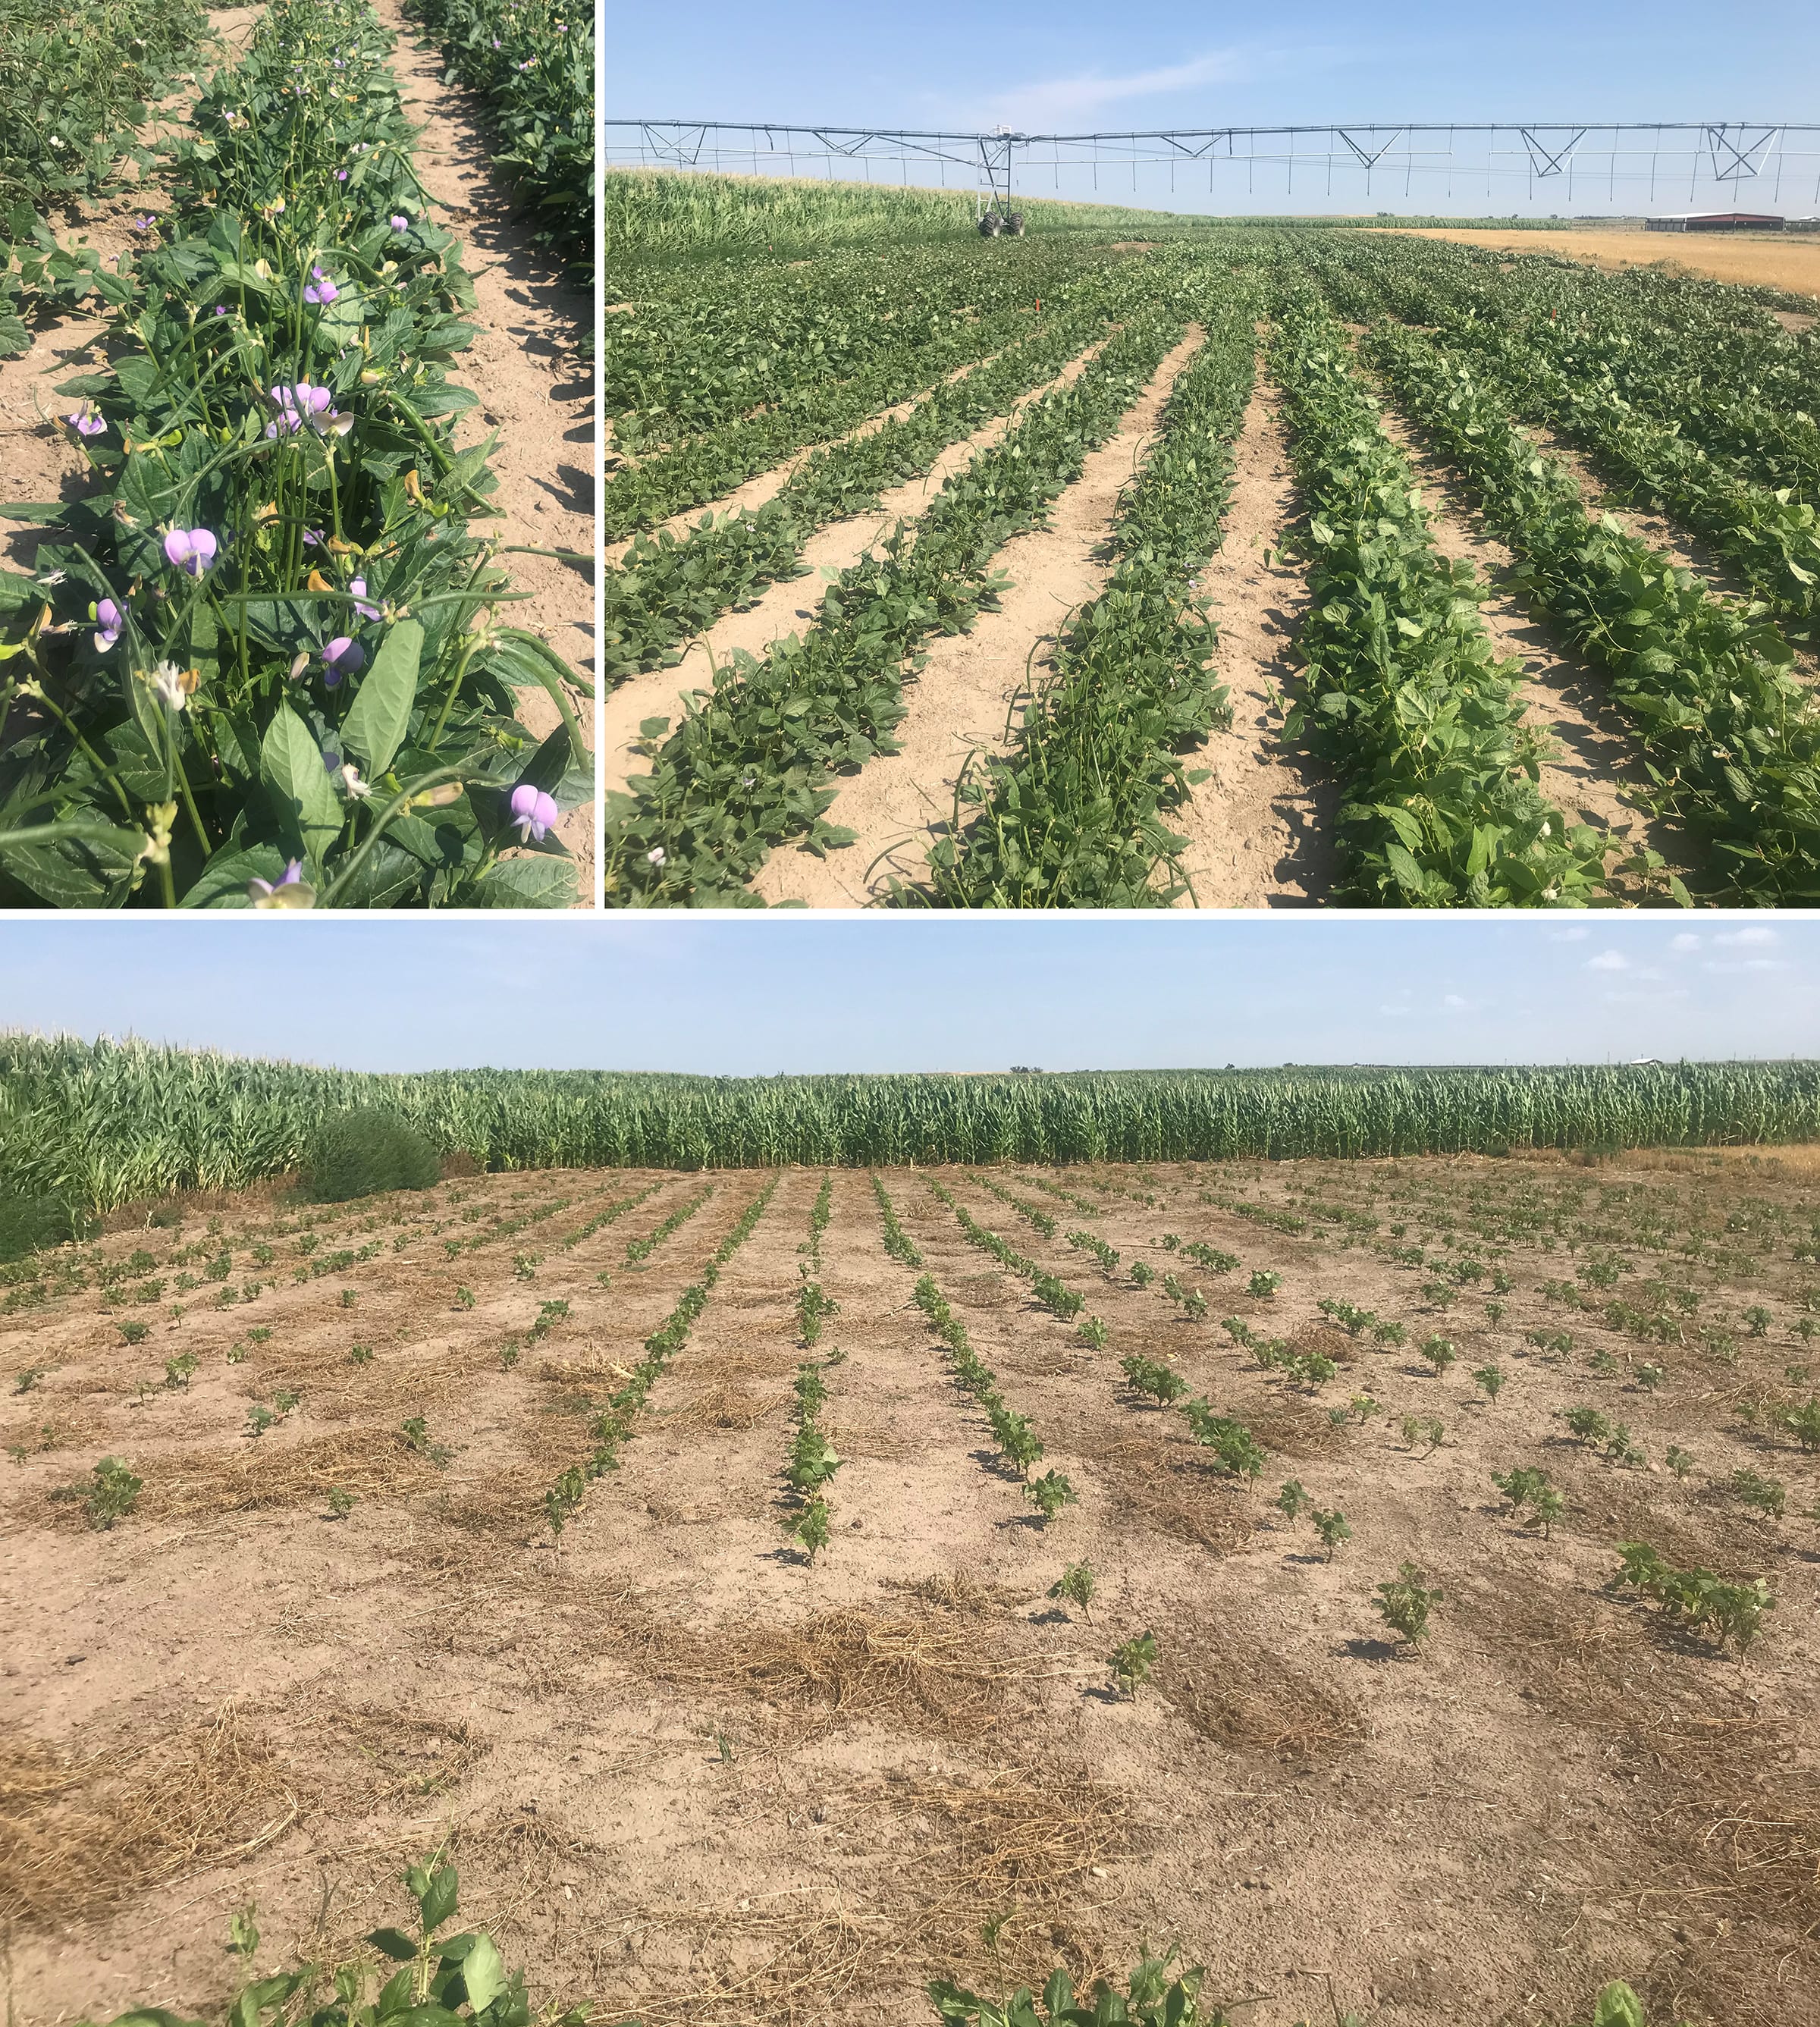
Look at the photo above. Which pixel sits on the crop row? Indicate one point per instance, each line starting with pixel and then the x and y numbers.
pixel 261 659
pixel 1731 736
pixel 1075 816
pixel 616 1423
pixel 75 81
pixel 753 766
pixel 1403 696
pixel 532 63
pixel 669 588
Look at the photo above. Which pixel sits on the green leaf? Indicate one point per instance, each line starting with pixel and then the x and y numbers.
pixel 376 720
pixel 291 767
pixel 534 881
pixel 393 1943
pixel 437 1902
pixel 483 1973
pixel 222 882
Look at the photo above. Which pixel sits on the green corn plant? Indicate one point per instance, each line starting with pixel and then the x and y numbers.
pixel 1132 1661
pixel 1076 1585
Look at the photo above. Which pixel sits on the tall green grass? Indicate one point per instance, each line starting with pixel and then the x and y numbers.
pixel 660 213
pixel 107 1124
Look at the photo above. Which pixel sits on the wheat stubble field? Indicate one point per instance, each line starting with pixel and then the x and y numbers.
pixel 729 1749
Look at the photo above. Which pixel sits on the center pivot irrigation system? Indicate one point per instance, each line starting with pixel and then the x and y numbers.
pixel 1588 160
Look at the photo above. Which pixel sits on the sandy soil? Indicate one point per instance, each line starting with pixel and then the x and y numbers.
pixel 535 392
pixel 684 1773
pixel 1597 759
pixel 1260 828
pixel 769 617
pixel 1766 259
pixel 963 699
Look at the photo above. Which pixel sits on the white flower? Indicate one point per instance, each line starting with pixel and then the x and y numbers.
pixel 353 786
pixel 655 855
pixel 176 686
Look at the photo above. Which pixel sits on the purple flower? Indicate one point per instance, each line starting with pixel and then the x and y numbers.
pixel 192 549
pixel 400 222
pixel 145 224
pixel 358 587
pixel 288 891
pixel 533 812
pixel 85 424
pixel 342 657
pixel 320 290
pixel 109 619
pixel 221 309
pixel 341 175
pixel 312 538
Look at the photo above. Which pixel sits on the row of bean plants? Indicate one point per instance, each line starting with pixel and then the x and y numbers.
pixel 1075 816
pixel 616 1424
pixel 1732 737
pixel 668 588
pixel 1403 696
pixel 262 659
pixel 76 83
pixel 532 63
pixel 754 766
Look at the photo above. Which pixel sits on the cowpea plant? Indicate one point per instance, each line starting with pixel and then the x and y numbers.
pixel 262 659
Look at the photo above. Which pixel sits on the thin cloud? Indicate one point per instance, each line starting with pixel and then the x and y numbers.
pixel 1745 938
pixel 1610 959
pixel 1054 103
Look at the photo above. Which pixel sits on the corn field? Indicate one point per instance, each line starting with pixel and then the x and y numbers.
pixel 112 1123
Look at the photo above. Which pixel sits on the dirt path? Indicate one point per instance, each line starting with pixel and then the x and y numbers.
pixel 1260 828
pixel 748 498
pixel 1597 756
pixel 534 392
pixel 826 553
pixel 962 699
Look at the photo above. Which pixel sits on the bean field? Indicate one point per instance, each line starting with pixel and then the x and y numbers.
pixel 780 1591
pixel 1227 567
pixel 287 632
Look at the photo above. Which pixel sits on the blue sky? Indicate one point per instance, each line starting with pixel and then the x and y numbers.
pixel 925 993
pixel 1068 66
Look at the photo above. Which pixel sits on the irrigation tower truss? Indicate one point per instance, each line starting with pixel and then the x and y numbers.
pixel 1644 164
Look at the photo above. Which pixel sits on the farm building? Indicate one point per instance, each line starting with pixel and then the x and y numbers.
pixel 1715 221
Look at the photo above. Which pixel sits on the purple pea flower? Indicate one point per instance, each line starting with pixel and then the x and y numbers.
pixel 358 587
pixel 192 549
pixel 342 657
pixel 85 424
pixel 321 289
pixel 533 813
pixel 272 893
pixel 400 222
pixel 221 309
pixel 341 175
pixel 312 538
pixel 109 620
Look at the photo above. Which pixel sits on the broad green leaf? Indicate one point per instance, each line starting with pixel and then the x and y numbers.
pixel 483 1973
pixel 533 881
pixel 291 767
pixel 376 723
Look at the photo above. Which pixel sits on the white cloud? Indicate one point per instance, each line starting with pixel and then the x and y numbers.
pixel 1453 1003
pixel 1609 960
pixel 1051 101
pixel 1733 968
pixel 1575 936
pixel 1747 938
pixel 1684 941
